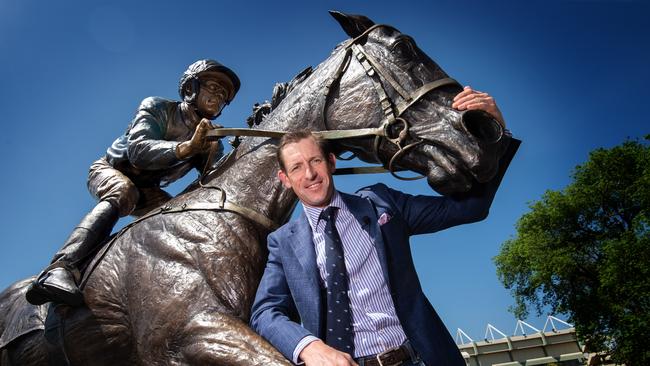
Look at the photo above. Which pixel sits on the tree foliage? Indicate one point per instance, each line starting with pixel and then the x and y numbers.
pixel 585 252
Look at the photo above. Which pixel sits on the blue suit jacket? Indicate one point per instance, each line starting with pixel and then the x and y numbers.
pixel 289 304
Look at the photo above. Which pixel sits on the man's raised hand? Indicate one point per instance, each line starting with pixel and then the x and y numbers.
pixel 470 99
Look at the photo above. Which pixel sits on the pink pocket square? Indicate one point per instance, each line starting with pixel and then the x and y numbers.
pixel 384 218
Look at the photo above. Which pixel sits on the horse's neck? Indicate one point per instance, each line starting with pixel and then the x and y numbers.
pixel 250 179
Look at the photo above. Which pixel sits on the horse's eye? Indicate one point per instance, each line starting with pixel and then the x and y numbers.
pixel 403 49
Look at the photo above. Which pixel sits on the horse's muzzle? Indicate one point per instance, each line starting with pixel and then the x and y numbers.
pixel 482 126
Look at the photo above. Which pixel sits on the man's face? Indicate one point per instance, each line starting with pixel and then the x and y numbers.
pixel 308 172
pixel 213 93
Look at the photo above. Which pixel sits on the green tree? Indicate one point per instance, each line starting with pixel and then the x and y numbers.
pixel 585 252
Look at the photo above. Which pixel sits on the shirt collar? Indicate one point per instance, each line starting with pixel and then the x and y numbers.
pixel 313 213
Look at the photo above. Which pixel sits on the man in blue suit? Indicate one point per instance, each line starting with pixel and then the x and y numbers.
pixel 315 313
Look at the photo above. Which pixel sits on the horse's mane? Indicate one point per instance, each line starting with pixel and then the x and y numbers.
pixel 280 91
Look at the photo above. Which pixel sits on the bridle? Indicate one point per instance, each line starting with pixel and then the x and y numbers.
pixel 392 111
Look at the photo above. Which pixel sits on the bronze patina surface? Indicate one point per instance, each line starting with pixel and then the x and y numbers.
pixel 176 287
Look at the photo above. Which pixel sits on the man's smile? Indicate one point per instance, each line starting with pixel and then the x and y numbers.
pixel 314 185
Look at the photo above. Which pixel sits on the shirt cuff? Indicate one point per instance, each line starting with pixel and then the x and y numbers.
pixel 300 346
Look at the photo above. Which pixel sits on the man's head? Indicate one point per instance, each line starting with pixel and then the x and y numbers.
pixel 306 166
pixel 209 86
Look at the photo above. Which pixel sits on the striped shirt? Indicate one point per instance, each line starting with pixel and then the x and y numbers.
pixel 375 322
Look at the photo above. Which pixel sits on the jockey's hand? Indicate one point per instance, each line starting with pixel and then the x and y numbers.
pixel 470 99
pixel 198 143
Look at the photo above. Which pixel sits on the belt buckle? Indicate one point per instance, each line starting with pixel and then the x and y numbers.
pixel 380 354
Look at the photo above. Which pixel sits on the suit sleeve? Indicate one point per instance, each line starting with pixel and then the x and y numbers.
pixel 428 214
pixel 274 308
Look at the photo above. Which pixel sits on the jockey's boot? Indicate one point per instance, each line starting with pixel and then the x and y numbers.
pixel 59 282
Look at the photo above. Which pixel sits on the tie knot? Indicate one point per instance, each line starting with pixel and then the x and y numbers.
pixel 329 213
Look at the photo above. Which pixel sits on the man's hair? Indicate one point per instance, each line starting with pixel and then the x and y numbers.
pixel 297 136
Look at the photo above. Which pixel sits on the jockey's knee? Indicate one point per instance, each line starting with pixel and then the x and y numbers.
pixel 124 196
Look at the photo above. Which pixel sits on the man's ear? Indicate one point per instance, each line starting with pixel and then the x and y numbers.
pixel 284 179
pixel 331 159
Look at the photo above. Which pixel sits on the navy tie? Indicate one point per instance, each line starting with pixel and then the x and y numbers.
pixel 339 333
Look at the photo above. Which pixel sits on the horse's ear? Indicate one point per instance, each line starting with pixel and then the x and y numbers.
pixel 353 25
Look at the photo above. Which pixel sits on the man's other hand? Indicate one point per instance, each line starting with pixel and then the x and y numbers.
pixel 317 353
pixel 473 99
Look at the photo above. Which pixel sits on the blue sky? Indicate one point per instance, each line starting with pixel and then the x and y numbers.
pixel 569 76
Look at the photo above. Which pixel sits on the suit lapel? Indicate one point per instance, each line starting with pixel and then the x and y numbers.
pixel 302 245
pixel 365 214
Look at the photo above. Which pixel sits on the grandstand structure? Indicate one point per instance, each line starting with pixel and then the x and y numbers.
pixel 528 346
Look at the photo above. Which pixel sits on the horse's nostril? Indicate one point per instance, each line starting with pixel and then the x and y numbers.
pixel 482 126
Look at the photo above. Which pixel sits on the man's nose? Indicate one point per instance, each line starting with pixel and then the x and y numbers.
pixel 309 173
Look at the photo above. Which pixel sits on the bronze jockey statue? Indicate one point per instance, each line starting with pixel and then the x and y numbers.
pixel 165 140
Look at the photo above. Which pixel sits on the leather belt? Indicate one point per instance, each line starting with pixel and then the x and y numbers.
pixel 390 357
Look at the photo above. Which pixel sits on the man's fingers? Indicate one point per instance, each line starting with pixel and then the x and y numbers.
pixel 469 97
pixel 350 359
pixel 479 105
pixel 485 106
pixel 490 108
pixel 473 100
pixel 466 91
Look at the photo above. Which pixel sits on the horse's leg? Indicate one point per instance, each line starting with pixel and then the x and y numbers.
pixel 219 339
pixel 101 338
pixel 17 317
pixel 28 350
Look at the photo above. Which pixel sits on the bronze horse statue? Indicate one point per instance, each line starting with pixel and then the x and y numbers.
pixel 176 286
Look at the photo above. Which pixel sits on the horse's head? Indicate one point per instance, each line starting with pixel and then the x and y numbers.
pixel 385 79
